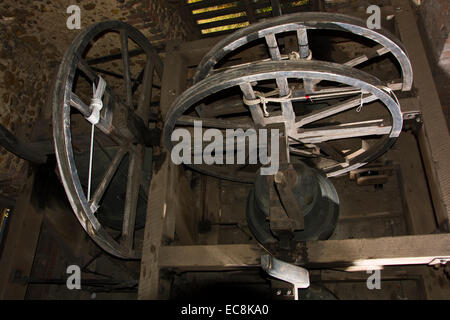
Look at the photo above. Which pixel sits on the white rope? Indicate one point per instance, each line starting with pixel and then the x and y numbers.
pixel 96 101
pixel 392 93
pixel 91 153
pixel 385 88
pixel 264 98
pixel 361 104
pixel 95 106
pixel 294 55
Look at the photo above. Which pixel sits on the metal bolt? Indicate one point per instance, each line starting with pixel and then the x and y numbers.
pixel 279 177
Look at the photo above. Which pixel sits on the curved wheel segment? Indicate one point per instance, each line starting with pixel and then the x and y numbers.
pixel 302 24
pixel 349 121
pixel 101 106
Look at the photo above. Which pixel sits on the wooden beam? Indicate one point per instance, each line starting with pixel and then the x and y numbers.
pixel 250 11
pixel 434 138
pixel 193 51
pixel 276 8
pixel 189 20
pixel 20 244
pixel 353 254
pixel 413 185
pixel 170 207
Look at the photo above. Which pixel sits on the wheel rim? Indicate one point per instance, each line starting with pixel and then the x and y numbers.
pixel 261 71
pixel 306 21
pixel 63 104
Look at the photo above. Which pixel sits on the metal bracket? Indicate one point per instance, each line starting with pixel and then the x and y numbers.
pixel 412 121
pixel 281 270
pixel 287 197
pixel 439 261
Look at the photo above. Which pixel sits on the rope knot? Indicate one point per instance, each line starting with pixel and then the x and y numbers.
pixel 96 101
pixel 264 98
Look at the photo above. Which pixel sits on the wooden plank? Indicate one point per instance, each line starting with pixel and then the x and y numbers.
pixel 211 209
pixel 353 254
pixel 202 257
pixel 19 246
pixel 276 8
pixel 413 184
pixel 180 205
pixel 193 51
pixel 131 198
pixel 156 214
pixel 169 206
pixel 188 17
pixel 434 138
pixel 250 11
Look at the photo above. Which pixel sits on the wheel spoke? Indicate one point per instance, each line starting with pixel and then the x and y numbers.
pixel 309 86
pixel 78 104
pixel 377 51
pixel 283 86
pixel 106 179
pixel 126 67
pixel 343 106
pixel 113 57
pixel 255 110
pixel 332 152
pixel 328 93
pixel 302 36
pixel 87 70
pixel 146 92
pixel 220 108
pixel 344 131
pixel 272 44
pixel 300 152
pixel 215 123
pixel 131 199
pixel 109 73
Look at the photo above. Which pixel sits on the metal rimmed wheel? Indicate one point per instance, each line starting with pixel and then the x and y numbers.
pixel 320 127
pixel 301 24
pixel 114 121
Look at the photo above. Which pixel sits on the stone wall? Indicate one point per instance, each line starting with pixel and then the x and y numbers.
pixel 435 19
pixel 34 38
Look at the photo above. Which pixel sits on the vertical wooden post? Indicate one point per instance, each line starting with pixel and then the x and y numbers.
pixel 20 244
pixel 434 138
pixel 170 199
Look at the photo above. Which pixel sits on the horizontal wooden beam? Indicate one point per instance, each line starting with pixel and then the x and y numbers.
pixel 434 138
pixel 352 254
